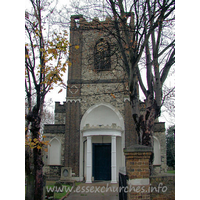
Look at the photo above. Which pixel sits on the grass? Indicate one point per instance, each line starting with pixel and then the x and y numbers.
pixel 58 195
pixel 77 183
pixel 171 171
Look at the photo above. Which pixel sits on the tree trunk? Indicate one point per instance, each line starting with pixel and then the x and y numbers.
pixel 37 153
pixel 34 187
pixel 38 164
pixel 30 187
pixel 147 129
pixel 30 179
pixel 144 124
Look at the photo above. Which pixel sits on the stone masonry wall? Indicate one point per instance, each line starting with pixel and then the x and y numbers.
pixel 102 86
pixel 60 137
pixel 90 37
pixel 162 187
pixel 60 112
pixel 53 172
pixel 98 93
pixel 87 84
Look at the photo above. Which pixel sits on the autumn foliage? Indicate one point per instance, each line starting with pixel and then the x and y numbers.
pixel 46 51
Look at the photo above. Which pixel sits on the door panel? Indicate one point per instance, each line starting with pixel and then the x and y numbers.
pixel 102 161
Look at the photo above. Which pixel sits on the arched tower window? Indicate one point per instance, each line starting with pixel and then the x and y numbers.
pixel 102 55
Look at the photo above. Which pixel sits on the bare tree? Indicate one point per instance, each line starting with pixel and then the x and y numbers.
pixel 144 33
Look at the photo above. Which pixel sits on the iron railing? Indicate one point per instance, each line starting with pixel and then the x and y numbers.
pixel 122 184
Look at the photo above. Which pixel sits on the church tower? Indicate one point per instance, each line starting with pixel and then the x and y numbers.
pixel 95 97
pixel 94 125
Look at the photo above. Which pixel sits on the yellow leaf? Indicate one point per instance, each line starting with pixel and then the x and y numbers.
pixel 35 139
pixel 69 64
pixel 44 136
pixel 113 95
pixel 77 47
pixel 39 147
pixel 32 144
pixel 26 56
pixel 42 49
pixel 60 91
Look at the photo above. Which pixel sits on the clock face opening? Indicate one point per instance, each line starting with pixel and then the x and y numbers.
pixel 65 173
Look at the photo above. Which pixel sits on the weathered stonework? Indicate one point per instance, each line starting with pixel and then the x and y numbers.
pixel 53 172
pixel 54 128
pixel 60 112
pixel 93 94
pixel 60 137
pixel 162 187
pixel 88 87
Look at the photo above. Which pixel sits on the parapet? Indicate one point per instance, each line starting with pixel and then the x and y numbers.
pixel 60 108
pixel 54 128
pixel 79 22
pixel 159 127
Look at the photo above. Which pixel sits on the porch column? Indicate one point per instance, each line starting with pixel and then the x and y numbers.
pixel 89 160
pixel 113 160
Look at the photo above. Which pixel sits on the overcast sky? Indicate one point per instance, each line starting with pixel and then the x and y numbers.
pixel 61 97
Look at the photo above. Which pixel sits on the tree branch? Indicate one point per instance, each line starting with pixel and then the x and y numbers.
pixel 166 48
pixel 141 82
pixel 167 95
pixel 32 46
pixel 167 67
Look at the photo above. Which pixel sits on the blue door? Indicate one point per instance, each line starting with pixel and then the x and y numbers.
pixel 102 161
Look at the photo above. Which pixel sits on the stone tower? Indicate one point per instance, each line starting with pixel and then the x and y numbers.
pixel 94 124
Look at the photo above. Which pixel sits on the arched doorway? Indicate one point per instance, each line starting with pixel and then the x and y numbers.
pixel 101 143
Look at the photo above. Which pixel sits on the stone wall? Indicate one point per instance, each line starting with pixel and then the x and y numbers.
pixel 54 128
pixel 50 171
pixel 103 86
pixel 68 134
pixel 116 72
pixel 162 187
pixel 101 93
pixel 60 112
pixel 61 138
